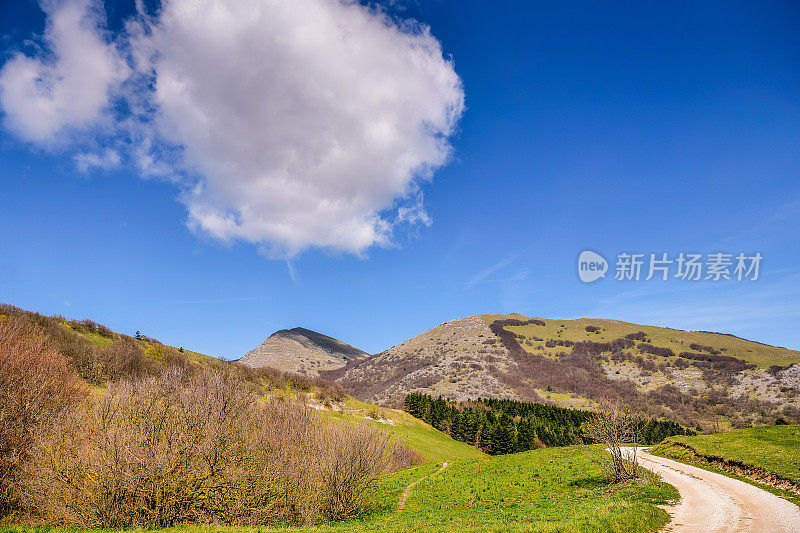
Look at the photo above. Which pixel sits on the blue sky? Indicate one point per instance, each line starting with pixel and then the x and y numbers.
pixel 631 128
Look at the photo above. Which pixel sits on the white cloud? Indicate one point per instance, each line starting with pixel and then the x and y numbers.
pixel 297 124
pixel 305 119
pixel 105 160
pixel 68 87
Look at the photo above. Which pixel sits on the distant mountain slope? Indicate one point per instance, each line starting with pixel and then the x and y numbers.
pixel 459 359
pixel 303 351
pixel 712 379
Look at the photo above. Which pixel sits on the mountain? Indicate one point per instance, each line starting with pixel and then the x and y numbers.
pixel 695 377
pixel 303 351
pixel 459 359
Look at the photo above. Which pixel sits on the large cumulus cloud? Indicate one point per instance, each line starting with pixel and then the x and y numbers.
pixel 301 123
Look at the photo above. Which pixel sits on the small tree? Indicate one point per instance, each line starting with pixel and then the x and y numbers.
pixel 616 426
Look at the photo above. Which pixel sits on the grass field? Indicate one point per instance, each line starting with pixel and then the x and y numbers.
pixel 678 340
pixel 775 449
pixel 431 444
pixel 548 490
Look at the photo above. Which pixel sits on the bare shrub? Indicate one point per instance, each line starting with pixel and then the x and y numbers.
pixel 199 447
pixel 124 358
pixel 37 385
pixel 357 457
pixel 105 331
pixel 616 426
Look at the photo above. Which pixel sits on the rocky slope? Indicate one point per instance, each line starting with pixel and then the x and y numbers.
pixel 303 351
pixel 697 378
pixel 459 359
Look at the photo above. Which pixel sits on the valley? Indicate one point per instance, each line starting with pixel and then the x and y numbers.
pixel 439 376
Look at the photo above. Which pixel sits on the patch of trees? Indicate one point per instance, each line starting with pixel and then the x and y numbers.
pixel 597 348
pixel 498 426
pixel 592 329
pixel 700 348
pixel 638 336
pixel 655 350
pixel 552 343
pixel 90 326
pixel 777 369
pixel 516 322
pixel 723 363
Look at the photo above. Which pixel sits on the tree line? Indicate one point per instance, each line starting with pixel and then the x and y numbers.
pixel 498 426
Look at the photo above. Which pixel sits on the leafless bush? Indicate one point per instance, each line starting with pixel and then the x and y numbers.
pixel 36 386
pixel 124 358
pixel 357 457
pixel 189 447
pixel 616 426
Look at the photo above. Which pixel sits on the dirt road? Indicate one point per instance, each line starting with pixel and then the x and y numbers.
pixel 712 502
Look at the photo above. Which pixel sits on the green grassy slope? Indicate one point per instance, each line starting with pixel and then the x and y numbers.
pixel 548 490
pixel 430 443
pixel 556 489
pixel 774 448
pixel 678 340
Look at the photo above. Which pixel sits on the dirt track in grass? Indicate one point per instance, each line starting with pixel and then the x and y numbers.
pixel 403 497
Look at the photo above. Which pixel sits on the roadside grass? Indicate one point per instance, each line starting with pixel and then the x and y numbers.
pixel 548 490
pixel 772 449
pixel 575 330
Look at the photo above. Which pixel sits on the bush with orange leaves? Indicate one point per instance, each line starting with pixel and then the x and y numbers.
pixel 37 386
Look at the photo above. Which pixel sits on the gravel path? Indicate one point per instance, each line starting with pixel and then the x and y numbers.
pixel 711 502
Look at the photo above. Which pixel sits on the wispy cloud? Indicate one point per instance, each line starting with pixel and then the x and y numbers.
pixel 292 271
pixel 482 276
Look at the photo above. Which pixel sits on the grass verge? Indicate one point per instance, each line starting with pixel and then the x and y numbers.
pixel 767 457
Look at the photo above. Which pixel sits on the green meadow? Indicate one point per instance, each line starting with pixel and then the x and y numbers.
pixel 775 449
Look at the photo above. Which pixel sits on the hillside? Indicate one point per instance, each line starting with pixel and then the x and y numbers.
pixel 95 351
pixel 459 359
pixel 704 379
pixel 303 351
